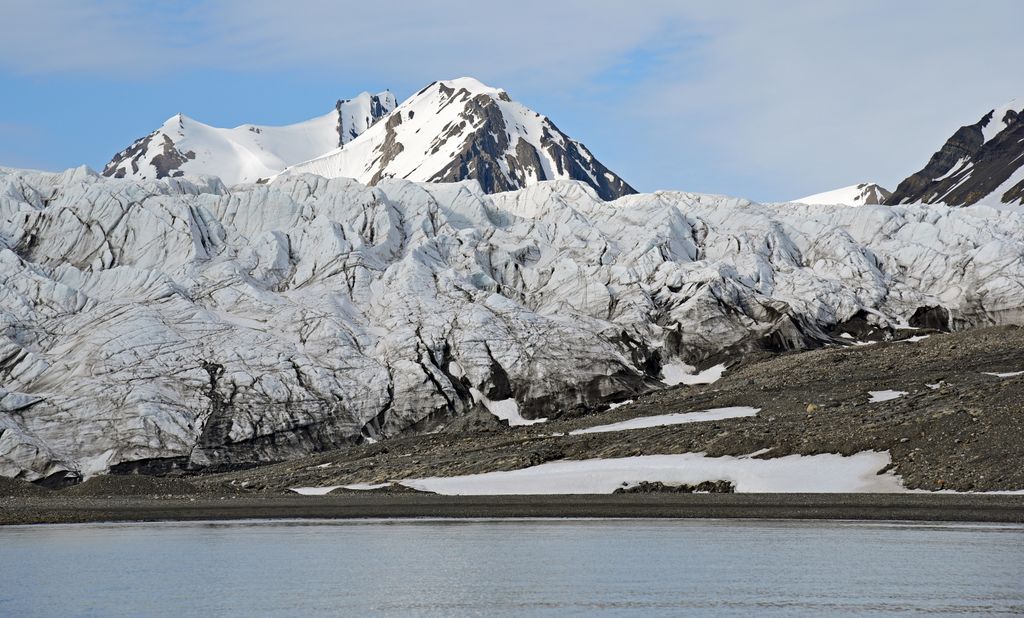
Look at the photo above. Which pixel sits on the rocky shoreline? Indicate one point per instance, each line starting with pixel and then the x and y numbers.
pixel 877 507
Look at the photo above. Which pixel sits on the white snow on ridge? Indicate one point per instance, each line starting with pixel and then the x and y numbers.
pixel 996 123
pixel 791 474
pixel 679 418
pixel 1005 374
pixel 853 195
pixel 250 152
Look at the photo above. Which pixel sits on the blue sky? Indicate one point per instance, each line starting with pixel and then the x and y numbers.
pixel 769 100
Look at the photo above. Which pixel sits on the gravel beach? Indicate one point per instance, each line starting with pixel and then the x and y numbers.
pixel 906 507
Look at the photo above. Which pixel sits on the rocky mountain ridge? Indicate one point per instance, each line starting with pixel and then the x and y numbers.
pixel 981 162
pixel 462 129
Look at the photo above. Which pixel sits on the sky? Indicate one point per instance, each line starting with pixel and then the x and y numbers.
pixel 766 100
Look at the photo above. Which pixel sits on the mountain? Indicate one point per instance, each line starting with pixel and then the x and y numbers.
pixel 450 131
pixel 854 195
pixel 152 325
pixel 249 152
pixel 462 129
pixel 981 163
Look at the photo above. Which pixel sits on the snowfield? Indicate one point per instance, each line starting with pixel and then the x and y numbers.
pixel 248 152
pixel 171 323
pixel 826 473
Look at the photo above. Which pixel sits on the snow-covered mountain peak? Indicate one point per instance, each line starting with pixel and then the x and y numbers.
pixel 248 152
pixel 469 84
pixel 462 129
pixel 177 122
pixel 452 130
pixel 853 195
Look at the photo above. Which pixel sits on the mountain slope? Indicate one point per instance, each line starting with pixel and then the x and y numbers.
pixel 177 323
pixel 249 152
pixel 461 129
pixel 854 195
pixel 981 163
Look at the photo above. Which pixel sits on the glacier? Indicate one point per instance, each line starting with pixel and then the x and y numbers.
pixel 154 325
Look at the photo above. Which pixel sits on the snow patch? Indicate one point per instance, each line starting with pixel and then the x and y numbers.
pixel 314 491
pixel 1007 374
pixel 506 410
pixel 914 339
pixel 681 373
pixel 679 418
pixel 366 486
pixel 826 473
pixel 888 395
pixel 323 491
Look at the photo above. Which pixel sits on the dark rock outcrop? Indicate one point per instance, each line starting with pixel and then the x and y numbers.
pixel 657 487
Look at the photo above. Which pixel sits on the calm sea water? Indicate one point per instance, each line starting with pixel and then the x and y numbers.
pixel 488 568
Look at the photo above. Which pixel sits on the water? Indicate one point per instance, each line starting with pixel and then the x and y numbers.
pixel 488 568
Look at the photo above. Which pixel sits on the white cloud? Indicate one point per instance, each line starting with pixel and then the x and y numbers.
pixel 772 100
pixel 532 39
pixel 826 94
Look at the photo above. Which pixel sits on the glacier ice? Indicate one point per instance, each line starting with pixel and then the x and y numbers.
pixel 179 323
